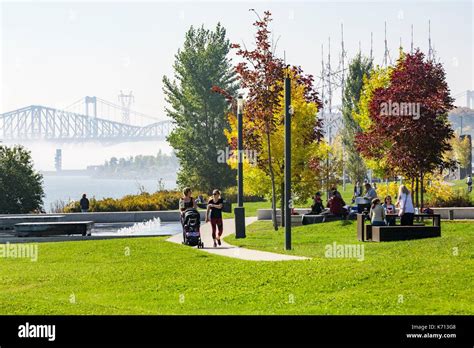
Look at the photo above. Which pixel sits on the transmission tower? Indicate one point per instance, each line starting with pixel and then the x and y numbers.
pixel 431 50
pixel 371 46
pixel 126 101
pixel 386 55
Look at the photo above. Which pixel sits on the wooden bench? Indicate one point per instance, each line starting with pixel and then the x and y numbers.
pixel 7 223
pixel 392 233
pixel 27 229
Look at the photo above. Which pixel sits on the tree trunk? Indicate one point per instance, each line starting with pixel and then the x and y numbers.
pixel 422 193
pixel 416 193
pixel 272 178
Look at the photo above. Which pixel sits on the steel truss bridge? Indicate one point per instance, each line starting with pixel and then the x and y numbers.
pixel 37 122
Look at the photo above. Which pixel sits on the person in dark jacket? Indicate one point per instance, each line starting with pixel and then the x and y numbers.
pixel 84 203
pixel 318 206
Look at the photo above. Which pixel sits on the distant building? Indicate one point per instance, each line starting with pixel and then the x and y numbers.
pixel 58 160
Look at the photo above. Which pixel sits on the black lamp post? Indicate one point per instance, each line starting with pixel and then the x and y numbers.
pixel 239 211
pixel 288 200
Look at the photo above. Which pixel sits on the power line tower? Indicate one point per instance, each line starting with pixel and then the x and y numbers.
pixel 343 81
pixel 126 101
pixel 431 50
pixel 386 55
pixel 371 46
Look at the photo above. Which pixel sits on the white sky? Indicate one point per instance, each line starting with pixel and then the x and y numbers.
pixel 53 53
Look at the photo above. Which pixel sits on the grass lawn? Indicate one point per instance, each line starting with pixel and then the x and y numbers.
pixel 159 277
pixel 431 279
pixel 250 209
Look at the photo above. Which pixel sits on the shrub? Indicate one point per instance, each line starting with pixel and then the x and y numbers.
pixel 161 200
pixel 438 193
pixel 230 195
pixel 391 189
pixel 460 198
pixel 21 186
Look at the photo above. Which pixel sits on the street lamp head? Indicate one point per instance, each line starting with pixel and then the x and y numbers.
pixel 240 104
pixel 291 110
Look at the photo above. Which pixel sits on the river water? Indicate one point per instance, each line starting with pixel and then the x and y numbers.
pixel 66 188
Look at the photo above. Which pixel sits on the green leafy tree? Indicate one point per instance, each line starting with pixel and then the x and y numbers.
pixel 21 187
pixel 199 114
pixel 359 69
pixel 379 78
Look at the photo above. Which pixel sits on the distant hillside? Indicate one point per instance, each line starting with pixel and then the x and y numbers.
pixel 143 167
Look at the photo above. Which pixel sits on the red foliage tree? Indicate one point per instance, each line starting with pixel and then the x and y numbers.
pixel 410 128
pixel 259 73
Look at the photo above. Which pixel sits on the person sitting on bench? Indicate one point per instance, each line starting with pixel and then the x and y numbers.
pixel 377 213
pixel 318 206
pixel 336 204
pixel 389 209
pixel 370 192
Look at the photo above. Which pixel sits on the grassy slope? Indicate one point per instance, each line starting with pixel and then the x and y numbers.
pixel 155 275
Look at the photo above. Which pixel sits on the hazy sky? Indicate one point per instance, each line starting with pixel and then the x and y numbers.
pixel 53 53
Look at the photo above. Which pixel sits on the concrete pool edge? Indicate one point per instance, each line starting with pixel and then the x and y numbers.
pixel 15 240
pixel 115 217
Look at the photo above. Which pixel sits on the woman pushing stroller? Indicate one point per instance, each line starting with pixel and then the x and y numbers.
pixel 187 201
pixel 190 220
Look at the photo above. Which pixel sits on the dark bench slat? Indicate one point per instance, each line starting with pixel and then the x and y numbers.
pixel 393 233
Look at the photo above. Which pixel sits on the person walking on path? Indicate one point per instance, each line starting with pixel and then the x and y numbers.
pixel 405 204
pixel 84 203
pixel 214 207
pixel 469 183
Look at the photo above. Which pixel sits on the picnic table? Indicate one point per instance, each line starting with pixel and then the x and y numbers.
pixel 367 232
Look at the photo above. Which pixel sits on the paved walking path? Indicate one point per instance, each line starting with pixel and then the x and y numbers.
pixel 231 250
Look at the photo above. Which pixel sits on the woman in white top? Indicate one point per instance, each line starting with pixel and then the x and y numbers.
pixel 405 204
pixel 377 213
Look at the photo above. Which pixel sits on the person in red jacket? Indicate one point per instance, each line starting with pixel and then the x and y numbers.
pixel 336 204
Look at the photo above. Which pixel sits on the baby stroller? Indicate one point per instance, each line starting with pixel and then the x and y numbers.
pixel 191 221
